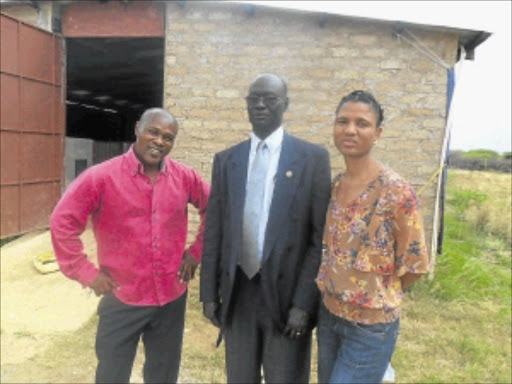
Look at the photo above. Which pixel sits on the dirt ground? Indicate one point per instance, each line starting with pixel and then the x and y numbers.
pixel 48 322
pixel 39 310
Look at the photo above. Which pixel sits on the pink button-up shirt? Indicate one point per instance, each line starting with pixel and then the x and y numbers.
pixel 140 227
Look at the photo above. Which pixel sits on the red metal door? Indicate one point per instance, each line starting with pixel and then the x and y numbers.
pixel 32 125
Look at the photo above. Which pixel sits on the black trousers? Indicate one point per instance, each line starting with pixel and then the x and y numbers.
pixel 253 342
pixel 119 330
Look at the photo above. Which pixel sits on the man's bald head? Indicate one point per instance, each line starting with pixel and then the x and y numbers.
pixel 273 79
pixel 266 103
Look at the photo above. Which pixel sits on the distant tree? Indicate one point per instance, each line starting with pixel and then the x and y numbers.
pixel 481 160
pixel 481 154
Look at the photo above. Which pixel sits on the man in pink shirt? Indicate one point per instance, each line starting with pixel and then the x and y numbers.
pixel 138 206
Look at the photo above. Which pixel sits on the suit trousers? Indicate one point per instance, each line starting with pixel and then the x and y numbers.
pixel 253 341
pixel 120 328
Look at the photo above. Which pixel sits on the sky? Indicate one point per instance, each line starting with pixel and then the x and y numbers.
pixel 481 113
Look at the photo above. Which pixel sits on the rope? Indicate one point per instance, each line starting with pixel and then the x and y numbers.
pixel 431 179
pixel 427 49
pixel 424 50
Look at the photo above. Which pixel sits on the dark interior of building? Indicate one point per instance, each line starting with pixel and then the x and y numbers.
pixel 110 82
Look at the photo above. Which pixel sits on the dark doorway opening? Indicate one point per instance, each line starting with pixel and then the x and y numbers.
pixel 110 82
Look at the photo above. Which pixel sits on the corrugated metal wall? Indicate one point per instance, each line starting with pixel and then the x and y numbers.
pixel 32 125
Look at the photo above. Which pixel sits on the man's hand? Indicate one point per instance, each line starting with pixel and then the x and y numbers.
pixel 188 268
pixel 211 312
pixel 103 283
pixel 297 323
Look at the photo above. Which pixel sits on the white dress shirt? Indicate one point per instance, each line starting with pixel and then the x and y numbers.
pixel 274 143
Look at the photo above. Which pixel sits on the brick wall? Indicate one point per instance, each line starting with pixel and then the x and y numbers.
pixel 214 51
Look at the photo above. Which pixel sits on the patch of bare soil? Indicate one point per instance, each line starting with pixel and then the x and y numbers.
pixel 48 322
pixel 37 310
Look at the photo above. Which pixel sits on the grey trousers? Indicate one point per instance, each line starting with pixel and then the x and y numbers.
pixel 120 328
pixel 253 342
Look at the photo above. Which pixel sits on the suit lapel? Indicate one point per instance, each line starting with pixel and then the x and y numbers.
pixel 289 169
pixel 237 177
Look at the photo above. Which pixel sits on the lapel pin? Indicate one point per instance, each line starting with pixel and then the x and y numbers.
pixel 289 174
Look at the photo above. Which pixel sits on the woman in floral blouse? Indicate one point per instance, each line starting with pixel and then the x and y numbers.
pixel 374 247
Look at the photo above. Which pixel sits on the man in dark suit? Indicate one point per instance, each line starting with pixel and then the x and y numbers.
pixel 262 244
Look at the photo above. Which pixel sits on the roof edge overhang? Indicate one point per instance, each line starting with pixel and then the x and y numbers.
pixel 468 39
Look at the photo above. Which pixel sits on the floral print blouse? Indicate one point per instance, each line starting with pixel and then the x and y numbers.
pixel 368 246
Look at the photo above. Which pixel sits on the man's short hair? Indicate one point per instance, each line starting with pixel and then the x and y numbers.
pixel 149 114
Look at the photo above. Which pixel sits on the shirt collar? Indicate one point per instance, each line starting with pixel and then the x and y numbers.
pixel 273 141
pixel 136 166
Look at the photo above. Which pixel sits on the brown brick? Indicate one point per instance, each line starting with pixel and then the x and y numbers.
pixel 439 123
pixel 420 111
pixel 172 80
pixel 319 73
pixel 204 27
pixel 175 70
pixel 229 93
pixel 170 60
pixel 345 75
pixel 392 64
pixel 207 92
pixel 173 26
pixel 363 40
pixel 344 52
pixel 200 113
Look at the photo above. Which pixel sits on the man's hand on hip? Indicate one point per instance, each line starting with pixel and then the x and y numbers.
pixel 211 311
pixel 103 283
pixel 188 267
pixel 297 323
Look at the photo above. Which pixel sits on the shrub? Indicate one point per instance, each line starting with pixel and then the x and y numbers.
pixel 481 154
pixel 483 200
pixel 461 200
pixel 461 160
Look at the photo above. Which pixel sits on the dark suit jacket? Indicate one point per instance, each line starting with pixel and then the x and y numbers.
pixel 293 238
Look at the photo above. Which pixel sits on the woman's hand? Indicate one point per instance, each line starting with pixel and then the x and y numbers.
pixel 408 279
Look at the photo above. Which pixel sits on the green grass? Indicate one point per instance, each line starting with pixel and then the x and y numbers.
pixel 483 199
pixel 455 327
pixel 202 362
pixel 463 273
pixel 451 342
